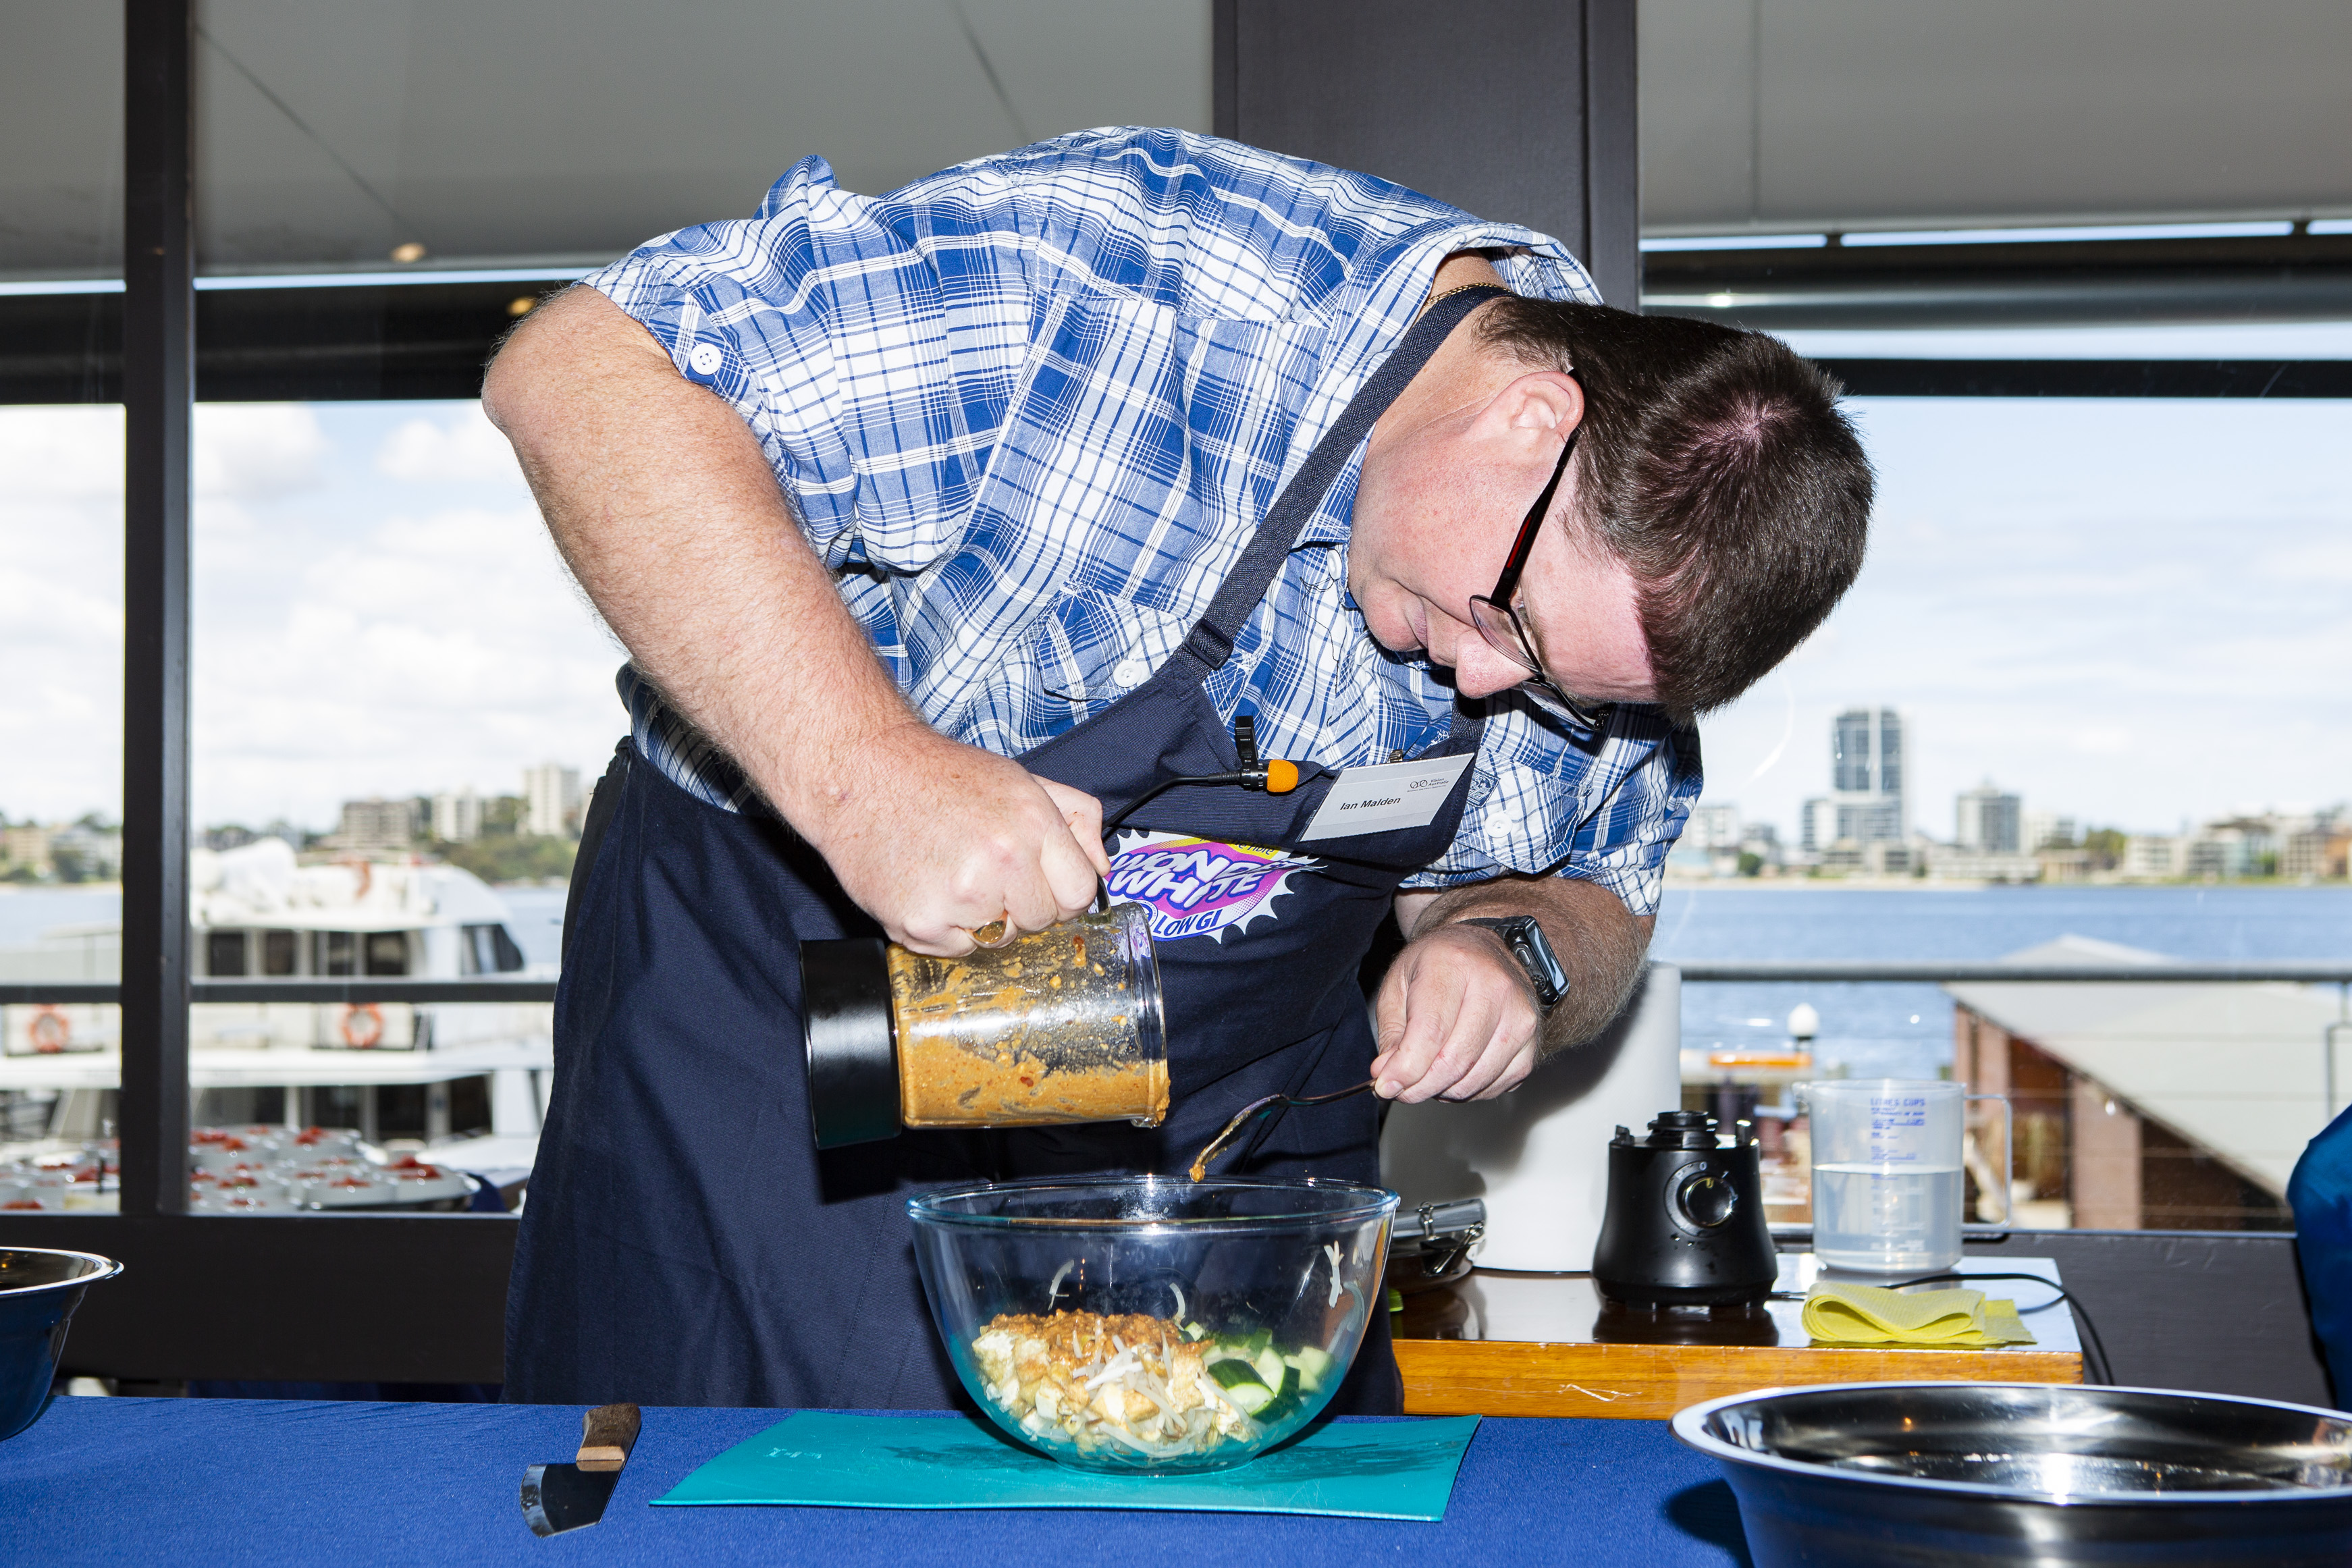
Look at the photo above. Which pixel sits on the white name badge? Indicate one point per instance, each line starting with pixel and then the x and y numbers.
pixel 1383 799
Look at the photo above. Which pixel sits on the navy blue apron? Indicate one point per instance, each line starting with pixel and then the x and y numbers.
pixel 684 1243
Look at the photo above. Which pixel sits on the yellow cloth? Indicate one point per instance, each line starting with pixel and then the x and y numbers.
pixel 1838 1314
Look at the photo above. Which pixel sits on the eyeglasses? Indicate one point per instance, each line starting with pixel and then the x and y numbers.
pixel 1500 625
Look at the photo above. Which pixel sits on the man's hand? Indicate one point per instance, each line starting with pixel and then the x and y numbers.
pixel 935 839
pixel 1457 1019
pixel 1456 1015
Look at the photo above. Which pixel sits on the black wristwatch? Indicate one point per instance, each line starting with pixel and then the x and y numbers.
pixel 1525 937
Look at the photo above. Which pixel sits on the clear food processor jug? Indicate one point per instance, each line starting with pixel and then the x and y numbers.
pixel 1061 1025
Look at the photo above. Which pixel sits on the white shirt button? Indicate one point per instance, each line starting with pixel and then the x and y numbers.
pixel 705 358
pixel 1129 672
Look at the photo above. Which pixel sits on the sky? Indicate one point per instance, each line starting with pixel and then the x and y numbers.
pixel 2128 611
pixel 376 611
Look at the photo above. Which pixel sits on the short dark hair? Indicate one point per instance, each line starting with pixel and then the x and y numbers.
pixel 1716 465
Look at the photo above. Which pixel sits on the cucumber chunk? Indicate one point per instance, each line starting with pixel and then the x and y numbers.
pixel 1270 1366
pixel 1235 1372
pixel 1314 1364
pixel 1240 1381
pixel 1286 1400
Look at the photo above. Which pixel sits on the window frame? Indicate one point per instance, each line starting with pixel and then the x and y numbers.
pixel 416 1297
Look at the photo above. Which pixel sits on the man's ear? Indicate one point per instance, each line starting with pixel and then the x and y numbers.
pixel 1541 401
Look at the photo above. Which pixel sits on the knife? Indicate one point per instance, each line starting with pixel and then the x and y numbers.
pixel 557 1498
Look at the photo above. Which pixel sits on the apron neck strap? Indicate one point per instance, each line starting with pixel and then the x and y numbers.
pixel 1211 642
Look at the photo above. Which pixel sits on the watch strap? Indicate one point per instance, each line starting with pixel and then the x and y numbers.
pixel 1524 937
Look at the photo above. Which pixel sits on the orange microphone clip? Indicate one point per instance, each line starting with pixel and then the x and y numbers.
pixel 1275 775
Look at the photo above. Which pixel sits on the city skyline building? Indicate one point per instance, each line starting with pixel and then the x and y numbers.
pixel 26 845
pixel 1868 776
pixel 1868 803
pixel 1713 827
pixel 1987 817
pixel 376 825
pixel 458 816
pixel 1817 825
pixel 2050 830
pixel 551 794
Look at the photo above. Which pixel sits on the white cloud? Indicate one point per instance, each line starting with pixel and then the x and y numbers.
pixel 340 648
pixel 257 451
pixel 434 650
pixel 71 453
pixel 461 448
pixel 1821 645
pixel 2326 560
pixel 60 611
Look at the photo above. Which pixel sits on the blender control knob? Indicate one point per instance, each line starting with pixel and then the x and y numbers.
pixel 1706 1201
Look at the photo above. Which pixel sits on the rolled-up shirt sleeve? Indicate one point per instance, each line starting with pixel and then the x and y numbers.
pixel 1623 812
pixel 849 349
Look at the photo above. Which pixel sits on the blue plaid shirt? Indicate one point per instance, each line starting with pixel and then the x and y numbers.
pixel 1030 408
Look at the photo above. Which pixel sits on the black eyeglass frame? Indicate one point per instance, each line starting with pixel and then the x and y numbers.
pixel 1492 615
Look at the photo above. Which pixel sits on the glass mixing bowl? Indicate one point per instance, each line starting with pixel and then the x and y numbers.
pixel 1144 1323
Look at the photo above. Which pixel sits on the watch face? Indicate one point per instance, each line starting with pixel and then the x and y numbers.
pixel 1524 937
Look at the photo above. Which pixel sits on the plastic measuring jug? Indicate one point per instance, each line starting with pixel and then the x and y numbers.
pixel 1887 1172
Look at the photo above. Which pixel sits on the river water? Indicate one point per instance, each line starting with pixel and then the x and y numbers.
pixel 1901 1031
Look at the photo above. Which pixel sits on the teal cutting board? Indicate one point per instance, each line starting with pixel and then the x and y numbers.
pixel 1358 1469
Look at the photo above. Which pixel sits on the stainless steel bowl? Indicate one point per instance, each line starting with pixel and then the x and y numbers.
pixel 1909 1475
pixel 39 1288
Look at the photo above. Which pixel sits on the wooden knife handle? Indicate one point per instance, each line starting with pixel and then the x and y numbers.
pixel 607 1433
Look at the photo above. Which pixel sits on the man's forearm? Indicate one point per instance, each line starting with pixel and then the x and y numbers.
pixel 664 504
pixel 1597 941
pixel 668 514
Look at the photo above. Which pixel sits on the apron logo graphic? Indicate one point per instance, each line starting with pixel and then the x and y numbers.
pixel 1198 886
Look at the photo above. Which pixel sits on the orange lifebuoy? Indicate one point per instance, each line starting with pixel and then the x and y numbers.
pixel 51 1032
pixel 363 1025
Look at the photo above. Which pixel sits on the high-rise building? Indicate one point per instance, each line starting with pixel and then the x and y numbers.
pixel 1713 827
pixel 1817 828
pixel 27 844
pixel 550 800
pixel 1985 819
pixel 376 826
pixel 457 818
pixel 2152 856
pixel 2050 829
pixel 1867 777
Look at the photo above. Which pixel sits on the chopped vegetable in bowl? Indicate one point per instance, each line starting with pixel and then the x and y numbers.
pixel 1162 1389
pixel 1140 1324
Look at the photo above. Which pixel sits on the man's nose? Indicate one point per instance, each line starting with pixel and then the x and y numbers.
pixel 1479 670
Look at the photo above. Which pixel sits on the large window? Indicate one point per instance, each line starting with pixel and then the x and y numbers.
pixel 399 703
pixel 61 607
pixel 396 703
pixel 2081 708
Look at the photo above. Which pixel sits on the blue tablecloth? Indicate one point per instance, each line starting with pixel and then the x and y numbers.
pixel 233 1482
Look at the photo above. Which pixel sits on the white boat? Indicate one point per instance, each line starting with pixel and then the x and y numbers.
pixel 259 915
